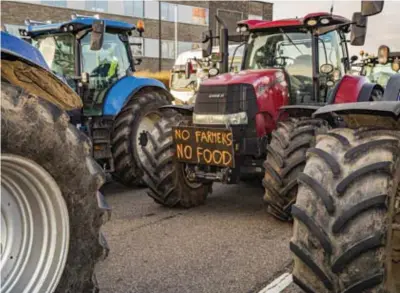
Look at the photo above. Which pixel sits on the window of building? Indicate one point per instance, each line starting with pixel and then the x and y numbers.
pixel 134 8
pixel 55 3
pixel 256 17
pixel 168 11
pixel 98 6
pixel 76 5
pixel 151 9
pixel 136 46
pixel 168 49
pixel 192 15
pixel 187 46
pixel 151 48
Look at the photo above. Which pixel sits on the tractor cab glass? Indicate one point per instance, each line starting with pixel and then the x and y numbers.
pixel 104 66
pixel 59 54
pixel 292 51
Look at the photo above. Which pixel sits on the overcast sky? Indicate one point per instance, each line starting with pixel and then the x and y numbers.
pixel 383 28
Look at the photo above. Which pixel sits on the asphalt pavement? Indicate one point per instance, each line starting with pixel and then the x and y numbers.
pixel 230 244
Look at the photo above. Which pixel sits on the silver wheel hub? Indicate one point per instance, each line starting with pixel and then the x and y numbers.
pixel 34 228
pixel 146 125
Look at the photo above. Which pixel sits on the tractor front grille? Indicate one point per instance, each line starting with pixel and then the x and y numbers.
pixel 226 99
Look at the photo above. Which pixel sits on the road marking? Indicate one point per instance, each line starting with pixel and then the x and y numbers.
pixel 278 284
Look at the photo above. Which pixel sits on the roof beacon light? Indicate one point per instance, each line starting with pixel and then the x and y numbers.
pixel 140 25
pixel 311 22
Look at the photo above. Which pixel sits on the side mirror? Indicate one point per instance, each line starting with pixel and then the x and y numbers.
pixel 97 38
pixel 207 43
pixel 358 29
pixel 353 58
pixel 369 8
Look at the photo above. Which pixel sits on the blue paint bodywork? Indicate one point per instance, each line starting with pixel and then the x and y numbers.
pixel 22 49
pixel 84 22
pixel 123 89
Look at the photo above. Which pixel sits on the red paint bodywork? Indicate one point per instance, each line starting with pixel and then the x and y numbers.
pixel 349 88
pixel 271 93
pixel 266 24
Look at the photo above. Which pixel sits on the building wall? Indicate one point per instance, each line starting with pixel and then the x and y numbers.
pixel 188 34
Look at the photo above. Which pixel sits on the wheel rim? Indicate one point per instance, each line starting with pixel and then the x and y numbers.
pixel 146 125
pixel 34 227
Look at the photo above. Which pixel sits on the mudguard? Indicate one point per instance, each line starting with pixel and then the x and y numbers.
pixel 24 66
pixel 392 91
pixel 124 89
pixel 382 108
pixel 347 90
pixel 182 109
pixel 366 91
pixel 298 110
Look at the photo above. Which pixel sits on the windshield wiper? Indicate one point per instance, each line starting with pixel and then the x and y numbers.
pixel 290 40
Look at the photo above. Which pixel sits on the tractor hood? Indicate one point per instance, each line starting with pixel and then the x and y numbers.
pixel 254 77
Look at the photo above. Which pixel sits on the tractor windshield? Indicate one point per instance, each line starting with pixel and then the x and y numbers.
pixel 59 53
pixel 292 51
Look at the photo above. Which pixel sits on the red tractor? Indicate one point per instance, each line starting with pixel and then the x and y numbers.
pixel 258 121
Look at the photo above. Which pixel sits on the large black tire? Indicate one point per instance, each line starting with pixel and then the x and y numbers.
pixel 346 218
pixel 286 158
pixel 37 130
pixel 125 145
pixel 163 174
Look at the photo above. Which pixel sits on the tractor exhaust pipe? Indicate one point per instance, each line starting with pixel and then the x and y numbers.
pixel 223 46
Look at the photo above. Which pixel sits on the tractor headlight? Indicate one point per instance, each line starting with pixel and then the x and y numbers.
pixel 228 119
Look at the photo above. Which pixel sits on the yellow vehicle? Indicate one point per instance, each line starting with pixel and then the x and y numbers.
pixel 183 87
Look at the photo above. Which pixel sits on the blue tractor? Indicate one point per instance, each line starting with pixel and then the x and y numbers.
pixel 51 209
pixel 94 56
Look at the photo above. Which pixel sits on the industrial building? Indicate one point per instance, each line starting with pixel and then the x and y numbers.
pixel 171 27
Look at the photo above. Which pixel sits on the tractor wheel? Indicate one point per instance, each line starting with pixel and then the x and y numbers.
pixel 50 214
pixel 166 178
pixel 286 158
pixel 346 218
pixel 139 115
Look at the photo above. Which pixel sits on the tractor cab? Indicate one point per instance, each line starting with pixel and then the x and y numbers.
pixel 378 69
pixel 90 54
pixel 310 52
pixel 94 56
